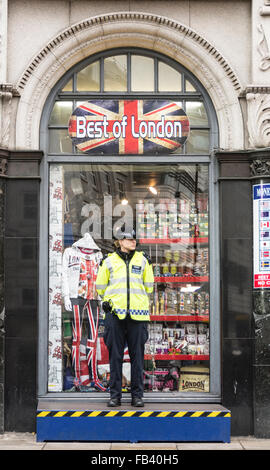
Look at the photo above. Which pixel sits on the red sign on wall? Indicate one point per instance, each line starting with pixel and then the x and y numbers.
pixel 261 280
pixel 129 127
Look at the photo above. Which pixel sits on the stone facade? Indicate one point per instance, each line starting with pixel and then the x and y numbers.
pixel 226 45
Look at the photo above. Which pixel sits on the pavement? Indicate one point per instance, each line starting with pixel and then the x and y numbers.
pixel 27 441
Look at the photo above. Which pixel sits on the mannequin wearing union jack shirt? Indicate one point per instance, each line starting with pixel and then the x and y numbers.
pixel 79 271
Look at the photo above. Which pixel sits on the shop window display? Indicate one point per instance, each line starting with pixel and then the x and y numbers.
pixel 168 205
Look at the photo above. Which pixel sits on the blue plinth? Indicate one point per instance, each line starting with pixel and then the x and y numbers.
pixel 133 426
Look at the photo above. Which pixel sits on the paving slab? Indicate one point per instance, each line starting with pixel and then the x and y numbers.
pixel 77 446
pixel 255 444
pixel 209 446
pixel 24 441
pixel 143 446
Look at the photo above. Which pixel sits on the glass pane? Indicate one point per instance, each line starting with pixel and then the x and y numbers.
pixel 88 79
pixel 115 73
pixel 198 142
pixel 142 73
pixel 168 204
pixel 59 141
pixel 168 78
pixel 68 86
pixel 196 113
pixel 189 86
pixel 61 113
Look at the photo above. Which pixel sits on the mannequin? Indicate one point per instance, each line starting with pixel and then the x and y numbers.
pixel 79 270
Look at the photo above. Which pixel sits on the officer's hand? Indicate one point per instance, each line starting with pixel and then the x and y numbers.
pixel 106 307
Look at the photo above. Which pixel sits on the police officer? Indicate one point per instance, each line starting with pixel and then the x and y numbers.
pixel 124 280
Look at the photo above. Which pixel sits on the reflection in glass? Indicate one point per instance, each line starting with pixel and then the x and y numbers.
pixel 88 79
pixel 61 113
pixel 189 86
pixel 172 228
pixel 142 73
pixel 59 141
pixel 196 113
pixel 68 86
pixel 169 79
pixel 198 142
pixel 115 73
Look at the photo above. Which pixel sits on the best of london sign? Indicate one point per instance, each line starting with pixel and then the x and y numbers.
pixel 129 127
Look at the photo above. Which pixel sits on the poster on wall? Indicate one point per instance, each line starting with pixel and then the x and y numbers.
pixel 261 236
pixel 118 127
pixel 55 273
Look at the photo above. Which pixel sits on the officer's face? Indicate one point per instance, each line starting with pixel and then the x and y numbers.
pixel 127 244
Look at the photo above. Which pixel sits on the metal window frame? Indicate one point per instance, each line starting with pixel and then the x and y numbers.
pixel 214 321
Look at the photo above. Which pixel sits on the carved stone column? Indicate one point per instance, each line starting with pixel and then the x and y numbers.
pixel 260 174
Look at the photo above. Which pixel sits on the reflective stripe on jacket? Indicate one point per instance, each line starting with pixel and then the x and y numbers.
pixel 127 283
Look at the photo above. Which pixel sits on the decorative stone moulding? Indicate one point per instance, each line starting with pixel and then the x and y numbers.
pixel 130 29
pixel 258 122
pixel 260 168
pixel 7 92
pixel 263 50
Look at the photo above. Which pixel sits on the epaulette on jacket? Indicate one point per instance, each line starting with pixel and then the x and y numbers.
pixel 147 257
pixel 103 259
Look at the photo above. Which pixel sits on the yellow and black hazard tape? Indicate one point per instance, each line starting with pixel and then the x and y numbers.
pixel 133 414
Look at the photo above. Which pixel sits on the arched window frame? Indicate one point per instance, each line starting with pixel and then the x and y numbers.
pixel 199 95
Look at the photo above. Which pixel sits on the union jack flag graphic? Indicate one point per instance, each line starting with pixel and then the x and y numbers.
pixel 92 311
pixel 129 127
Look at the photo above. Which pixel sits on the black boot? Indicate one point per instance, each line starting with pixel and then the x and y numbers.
pixel 138 402
pixel 113 402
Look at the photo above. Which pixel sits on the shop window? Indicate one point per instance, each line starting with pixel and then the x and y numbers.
pixel 115 73
pixel 142 73
pixel 61 113
pixel 169 207
pixel 59 141
pixel 168 78
pixel 198 142
pixel 88 79
pixel 166 200
pixel 68 86
pixel 196 113
pixel 190 87
pixel 107 183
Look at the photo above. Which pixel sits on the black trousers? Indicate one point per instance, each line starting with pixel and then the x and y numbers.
pixel 118 334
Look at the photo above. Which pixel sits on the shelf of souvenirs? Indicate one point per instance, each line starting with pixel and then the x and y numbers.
pixel 180 318
pixel 186 278
pixel 166 241
pixel 177 357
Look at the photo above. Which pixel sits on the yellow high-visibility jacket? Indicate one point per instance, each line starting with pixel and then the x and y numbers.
pixel 126 281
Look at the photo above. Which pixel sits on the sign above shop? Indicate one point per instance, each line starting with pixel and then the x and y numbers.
pixel 118 127
pixel 261 236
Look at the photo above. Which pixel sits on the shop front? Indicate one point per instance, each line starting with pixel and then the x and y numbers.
pixel 129 137
pixel 129 121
